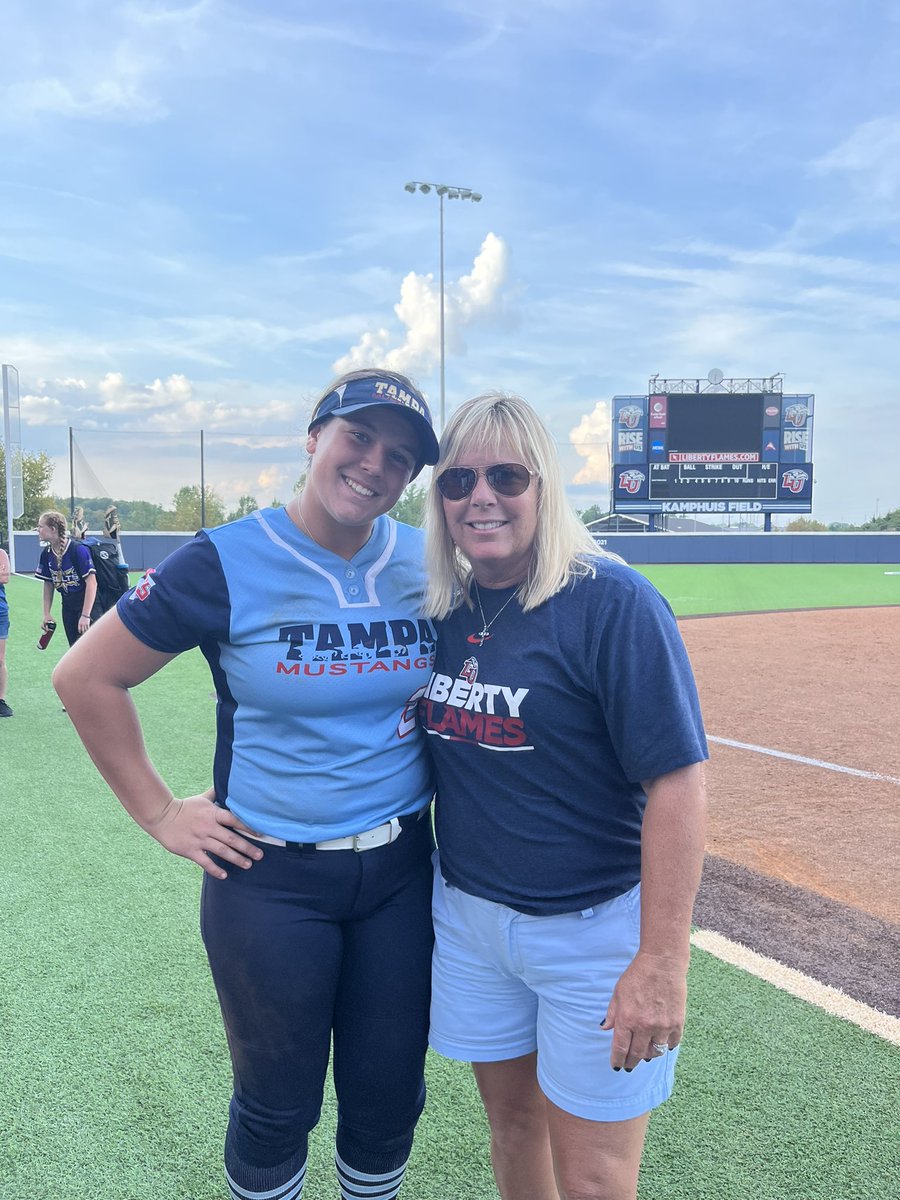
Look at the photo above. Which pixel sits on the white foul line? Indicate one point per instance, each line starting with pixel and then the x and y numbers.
pixel 831 999
pixel 812 762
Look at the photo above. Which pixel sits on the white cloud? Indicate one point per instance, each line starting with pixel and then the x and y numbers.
pixel 716 334
pixel 271 480
pixel 42 410
pixel 591 440
pixel 118 397
pixel 57 385
pixel 104 98
pixel 474 297
pixel 869 157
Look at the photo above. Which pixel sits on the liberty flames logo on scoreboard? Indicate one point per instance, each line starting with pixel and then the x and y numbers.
pixel 630 481
pixel 794 480
pixel 630 415
pixel 796 414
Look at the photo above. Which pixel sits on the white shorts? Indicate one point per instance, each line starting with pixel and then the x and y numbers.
pixel 505 984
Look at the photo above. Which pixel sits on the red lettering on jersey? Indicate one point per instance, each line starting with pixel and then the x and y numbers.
pixel 514 730
pixel 493 730
pixel 471 724
pixel 450 722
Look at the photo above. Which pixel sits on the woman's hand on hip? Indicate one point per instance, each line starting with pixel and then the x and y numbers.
pixel 196 828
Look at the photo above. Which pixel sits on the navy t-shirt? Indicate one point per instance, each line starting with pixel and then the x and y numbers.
pixel 541 738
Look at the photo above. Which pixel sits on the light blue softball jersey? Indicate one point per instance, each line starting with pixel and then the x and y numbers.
pixel 318 664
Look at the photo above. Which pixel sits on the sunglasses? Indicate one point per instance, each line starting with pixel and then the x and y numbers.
pixel 506 479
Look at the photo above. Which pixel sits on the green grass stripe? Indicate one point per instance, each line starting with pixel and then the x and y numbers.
pixel 743 587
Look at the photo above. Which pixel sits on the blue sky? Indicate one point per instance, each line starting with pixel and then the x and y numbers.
pixel 202 217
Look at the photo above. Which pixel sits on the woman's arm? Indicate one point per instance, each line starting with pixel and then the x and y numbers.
pixel 93 681
pixel 90 595
pixel 48 602
pixel 4 566
pixel 648 1003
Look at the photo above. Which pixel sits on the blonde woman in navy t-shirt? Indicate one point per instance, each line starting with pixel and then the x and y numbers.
pixel 315 909
pixel 568 745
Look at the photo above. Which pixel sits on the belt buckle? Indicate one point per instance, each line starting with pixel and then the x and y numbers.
pixel 375 837
pixel 365 841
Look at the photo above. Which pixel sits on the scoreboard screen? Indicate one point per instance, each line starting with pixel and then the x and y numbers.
pixel 744 481
pixel 722 424
pixel 712 452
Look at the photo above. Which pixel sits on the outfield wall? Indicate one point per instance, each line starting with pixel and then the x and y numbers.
pixel 645 548
pixel 145 550
pixel 141 550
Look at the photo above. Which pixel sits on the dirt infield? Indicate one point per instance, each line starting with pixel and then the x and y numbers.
pixel 821 685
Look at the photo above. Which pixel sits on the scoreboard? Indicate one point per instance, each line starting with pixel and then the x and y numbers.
pixel 712 452
pixel 744 481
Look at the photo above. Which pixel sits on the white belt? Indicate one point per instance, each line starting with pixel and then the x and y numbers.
pixel 381 835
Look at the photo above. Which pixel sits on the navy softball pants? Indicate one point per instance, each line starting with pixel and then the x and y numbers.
pixel 307 945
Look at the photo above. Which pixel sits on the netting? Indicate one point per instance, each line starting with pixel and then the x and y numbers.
pixel 140 471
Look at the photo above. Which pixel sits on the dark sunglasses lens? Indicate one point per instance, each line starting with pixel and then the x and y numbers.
pixel 509 479
pixel 456 482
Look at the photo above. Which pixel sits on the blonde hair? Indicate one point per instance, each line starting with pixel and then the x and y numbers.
pixel 56 521
pixel 563 547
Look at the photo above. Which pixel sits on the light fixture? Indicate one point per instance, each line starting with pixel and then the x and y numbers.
pixel 452 193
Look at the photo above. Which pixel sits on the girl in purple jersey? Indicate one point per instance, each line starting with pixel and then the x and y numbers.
pixel 566 734
pixel 65 566
pixel 327 939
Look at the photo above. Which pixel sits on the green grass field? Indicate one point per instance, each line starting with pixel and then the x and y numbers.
pixel 114 1067
pixel 740 587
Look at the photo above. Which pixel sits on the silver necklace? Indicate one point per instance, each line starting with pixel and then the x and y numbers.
pixel 306 528
pixel 478 639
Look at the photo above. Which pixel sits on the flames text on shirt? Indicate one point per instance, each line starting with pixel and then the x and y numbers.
pixel 486 713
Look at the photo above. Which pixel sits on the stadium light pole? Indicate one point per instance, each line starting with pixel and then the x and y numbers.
pixel 452 192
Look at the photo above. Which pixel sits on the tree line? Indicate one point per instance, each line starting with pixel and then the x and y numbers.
pixel 186 512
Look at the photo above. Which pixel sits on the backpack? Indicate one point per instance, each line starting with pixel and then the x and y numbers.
pixel 112 579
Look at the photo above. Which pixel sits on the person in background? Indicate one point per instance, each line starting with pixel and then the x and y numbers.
pixel 5 710
pixel 315 907
pixel 568 745
pixel 112 527
pixel 65 566
pixel 79 524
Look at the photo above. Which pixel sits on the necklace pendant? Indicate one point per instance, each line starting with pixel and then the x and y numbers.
pixel 478 639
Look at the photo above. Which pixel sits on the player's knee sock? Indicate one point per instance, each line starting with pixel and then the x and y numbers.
pixel 284 1181
pixel 372 1174
pixel 373 1185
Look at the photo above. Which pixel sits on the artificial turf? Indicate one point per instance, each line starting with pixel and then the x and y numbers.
pixel 115 1076
pixel 742 587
